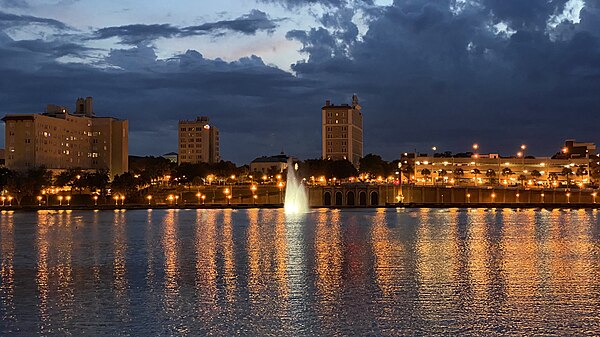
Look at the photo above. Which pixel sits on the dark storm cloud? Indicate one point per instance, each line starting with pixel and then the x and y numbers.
pixel 248 24
pixel 294 4
pixel 8 20
pixel 426 73
pixel 447 79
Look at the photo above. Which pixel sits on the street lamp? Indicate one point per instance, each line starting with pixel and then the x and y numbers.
pixel 116 200
pixel 280 185
pixel 95 200
pixel 517 197
pixel 170 198
pixel 39 199
pixel 203 198
pixel 542 196
pixel 468 197
pixel 568 198
pixel 254 197
pixel 493 197
pixel 253 189
pixel 122 200
pixel 68 200
pixel 198 195
pixel 594 197
pixel 10 198
pixel 3 200
pixel 176 200
pixel 229 200
pixel 60 199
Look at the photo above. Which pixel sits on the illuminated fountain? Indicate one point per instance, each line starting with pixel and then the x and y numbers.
pixel 296 200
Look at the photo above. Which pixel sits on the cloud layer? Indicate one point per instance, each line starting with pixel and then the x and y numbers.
pixel 445 73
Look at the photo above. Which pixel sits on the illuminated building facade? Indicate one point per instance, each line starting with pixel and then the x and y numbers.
pixel 57 139
pixel 342 131
pixel 198 141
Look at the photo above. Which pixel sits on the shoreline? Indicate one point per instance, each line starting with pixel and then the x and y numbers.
pixel 280 206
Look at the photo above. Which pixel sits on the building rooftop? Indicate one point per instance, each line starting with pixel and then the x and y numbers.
pixel 280 158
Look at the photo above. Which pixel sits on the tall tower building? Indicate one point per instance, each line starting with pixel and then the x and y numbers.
pixel 60 140
pixel 342 131
pixel 198 142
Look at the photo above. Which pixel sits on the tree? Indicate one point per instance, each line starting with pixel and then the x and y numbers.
pixel 5 175
pixel 28 183
pixel 425 173
pixel 491 174
pixel 552 178
pixel 374 165
pixel 342 169
pixel 535 174
pixel 507 172
pixel 96 181
pixel 124 184
pixel 458 174
pixel 581 172
pixel 522 179
pixel 476 172
pixel 567 172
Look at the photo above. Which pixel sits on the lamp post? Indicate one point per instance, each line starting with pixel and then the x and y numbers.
pixel 253 189
pixel 116 200
pixel 493 197
pixel 199 195
pixel 122 200
pixel 226 192
pixel 468 198
pixel 177 200
pixel 170 198
pixel 3 200
pixel 568 197
pixel 542 196
pixel 95 200
pixel 523 147
pixel 594 197
pixel 39 199
pixel 203 198
pixel 517 197
pixel 280 185
pixel 60 199
pixel 68 200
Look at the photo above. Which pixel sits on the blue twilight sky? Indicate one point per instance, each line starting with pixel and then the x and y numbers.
pixel 427 72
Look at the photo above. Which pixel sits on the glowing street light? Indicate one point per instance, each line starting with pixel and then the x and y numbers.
pixel 39 199
pixel 469 197
pixel 176 200
pixel 254 197
pixel 517 197
pixel 542 196
pixel 170 198
pixel 568 198
pixel 68 200
pixel 280 186
pixel 203 198
pixel 10 198
pixel 493 197
pixel 116 200
pixel 199 195
pixel 3 200
pixel 60 199
pixel 594 197
pixel 95 200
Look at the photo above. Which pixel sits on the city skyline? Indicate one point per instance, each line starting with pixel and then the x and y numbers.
pixel 428 73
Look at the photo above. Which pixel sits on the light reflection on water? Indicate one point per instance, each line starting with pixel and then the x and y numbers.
pixel 260 272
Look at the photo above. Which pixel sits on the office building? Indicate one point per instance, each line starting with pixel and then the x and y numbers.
pixel 198 141
pixel 57 139
pixel 342 131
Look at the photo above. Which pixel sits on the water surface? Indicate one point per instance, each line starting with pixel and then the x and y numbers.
pixel 330 273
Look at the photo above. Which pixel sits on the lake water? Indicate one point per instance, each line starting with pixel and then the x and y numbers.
pixel 328 273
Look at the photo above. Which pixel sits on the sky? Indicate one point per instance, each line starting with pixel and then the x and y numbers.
pixel 444 73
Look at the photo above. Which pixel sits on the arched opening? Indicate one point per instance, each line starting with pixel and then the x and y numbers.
pixel 362 198
pixel 374 199
pixel 350 198
pixel 327 199
pixel 338 198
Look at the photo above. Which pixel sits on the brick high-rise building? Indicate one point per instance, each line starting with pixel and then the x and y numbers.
pixel 57 139
pixel 342 128
pixel 198 142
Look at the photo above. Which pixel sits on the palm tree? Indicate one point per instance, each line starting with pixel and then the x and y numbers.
pixel 567 172
pixel 535 174
pixel 458 173
pixel 491 174
pixel 581 172
pixel 426 173
pixel 442 173
pixel 522 179
pixel 506 173
pixel 552 178
pixel 476 172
